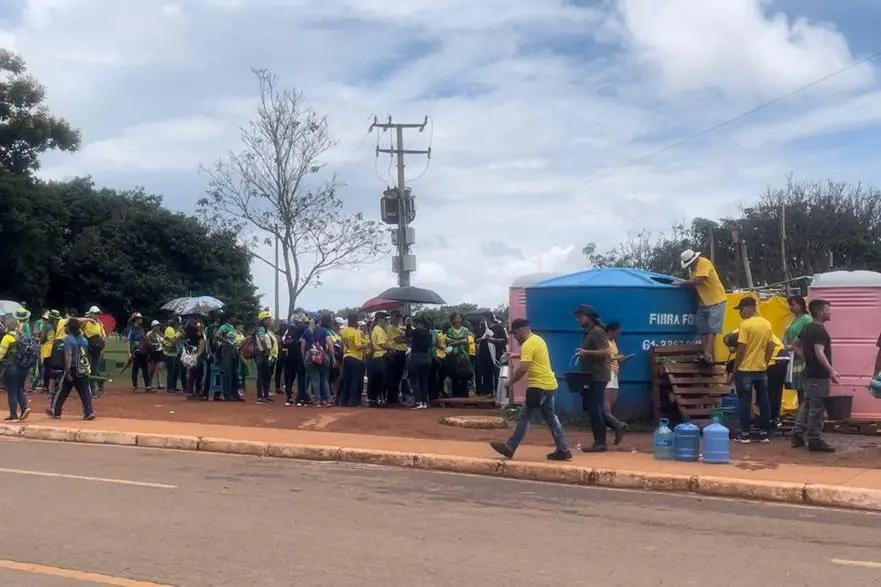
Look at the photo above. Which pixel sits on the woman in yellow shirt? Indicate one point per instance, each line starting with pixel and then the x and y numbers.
pixel 354 348
pixel 613 331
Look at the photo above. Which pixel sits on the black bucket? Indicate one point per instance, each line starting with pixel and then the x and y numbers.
pixel 838 407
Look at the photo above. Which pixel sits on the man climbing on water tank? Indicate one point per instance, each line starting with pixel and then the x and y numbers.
pixel 703 278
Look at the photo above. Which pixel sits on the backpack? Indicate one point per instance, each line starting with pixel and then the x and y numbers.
pixel 316 355
pixel 249 348
pixel 27 353
pixel 82 367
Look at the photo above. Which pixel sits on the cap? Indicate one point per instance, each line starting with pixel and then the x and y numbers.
pixel 747 302
pixel 379 315
pixel 340 320
pixel 154 323
pixel 519 323
pixel 136 315
pixel 688 257
pixel 94 310
pixel 585 310
pixel 264 315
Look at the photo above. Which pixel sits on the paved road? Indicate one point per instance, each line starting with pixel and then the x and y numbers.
pixel 179 518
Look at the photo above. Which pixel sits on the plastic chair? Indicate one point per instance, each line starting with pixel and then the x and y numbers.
pixel 215 386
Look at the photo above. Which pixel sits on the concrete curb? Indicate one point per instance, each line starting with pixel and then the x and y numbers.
pixel 776 491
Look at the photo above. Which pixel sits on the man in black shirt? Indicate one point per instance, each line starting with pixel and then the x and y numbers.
pixel 594 354
pixel 816 348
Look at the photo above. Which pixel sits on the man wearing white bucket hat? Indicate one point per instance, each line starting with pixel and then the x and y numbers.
pixel 703 278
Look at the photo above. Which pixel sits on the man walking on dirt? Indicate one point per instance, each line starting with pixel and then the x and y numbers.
pixel 541 385
pixel 711 296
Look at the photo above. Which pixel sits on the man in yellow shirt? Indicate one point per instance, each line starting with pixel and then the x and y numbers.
pixel 377 382
pixel 755 348
pixel 396 359
pixel 171 340
pixel 354 347
pixel 711 296
pixel 93 330
pixel 541 383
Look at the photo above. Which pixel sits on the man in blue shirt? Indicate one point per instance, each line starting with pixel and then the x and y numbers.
pixel 76 372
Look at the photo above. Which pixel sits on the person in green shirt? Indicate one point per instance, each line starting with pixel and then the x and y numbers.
pixel 799 308
pixel 458 360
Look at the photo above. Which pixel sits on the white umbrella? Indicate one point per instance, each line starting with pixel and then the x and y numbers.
pixel 200 305
pixel 9 307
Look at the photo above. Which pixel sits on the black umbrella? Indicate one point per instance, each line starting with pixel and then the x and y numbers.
pixel 411 295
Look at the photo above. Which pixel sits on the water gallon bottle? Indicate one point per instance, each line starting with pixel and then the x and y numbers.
pixel 687 441
pixel 664 441
pixel 730 414
pixel 716 441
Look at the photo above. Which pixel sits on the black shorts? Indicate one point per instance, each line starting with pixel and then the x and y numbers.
pixel 157 357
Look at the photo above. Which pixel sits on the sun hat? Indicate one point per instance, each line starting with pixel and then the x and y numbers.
pixel 379 315
pixel 155 323
pixel 54 315
pixel 688 257
pixel 21 314
pixel 264 315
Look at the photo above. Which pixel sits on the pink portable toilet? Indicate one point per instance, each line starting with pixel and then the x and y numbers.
pixel 516 310
pixel 856 323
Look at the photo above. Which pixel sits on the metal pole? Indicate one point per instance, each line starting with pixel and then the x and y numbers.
pixel 712 246
pixel 787 287
pixel 403 212
pixel 746 269
pixel 276 277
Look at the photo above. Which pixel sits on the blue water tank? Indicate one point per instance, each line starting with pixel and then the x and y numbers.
pixel 652 311
pixel 687 441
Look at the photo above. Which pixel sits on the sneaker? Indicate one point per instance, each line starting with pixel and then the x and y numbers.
pixel 820 446
pixel 595 448
pixel 91 416
pixel 417 407
pixel 289 403
pixel 25 414
pixel 52 415
pixel 742 437
pixel 558 455
pixel 11 419
pixel 798 441
pixel 762 436
pixel 503 449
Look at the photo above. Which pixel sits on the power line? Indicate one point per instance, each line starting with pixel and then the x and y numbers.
pixel 710 129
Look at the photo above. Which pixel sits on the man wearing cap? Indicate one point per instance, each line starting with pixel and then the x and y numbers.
pixel 755 348
pixel 377 369
pixel 541 385
pixel 42 328
pixel 93 330
pixel 396 357
pixel 47 342
pixel 13 375
pixel 594 354
pixel 711 296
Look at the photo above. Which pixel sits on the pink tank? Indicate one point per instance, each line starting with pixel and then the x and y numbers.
pixel 856 324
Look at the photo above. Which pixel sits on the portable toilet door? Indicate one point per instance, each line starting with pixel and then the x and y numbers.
pixel 855 297
pixel 517 310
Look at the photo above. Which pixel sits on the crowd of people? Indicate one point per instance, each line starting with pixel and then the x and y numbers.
pixel 318 361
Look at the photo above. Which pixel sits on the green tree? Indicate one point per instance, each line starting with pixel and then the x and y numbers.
pixel 26 127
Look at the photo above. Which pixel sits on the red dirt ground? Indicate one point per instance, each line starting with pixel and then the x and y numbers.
pixel 119 402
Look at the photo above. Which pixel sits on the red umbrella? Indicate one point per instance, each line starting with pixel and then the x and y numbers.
pixel 379 304
pixel 109 323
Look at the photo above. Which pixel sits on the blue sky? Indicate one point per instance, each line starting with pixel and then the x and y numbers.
pixel 538 109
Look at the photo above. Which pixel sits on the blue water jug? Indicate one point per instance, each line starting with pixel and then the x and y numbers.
pixel 731 414
pixel 687 441
pixel 716 441
pixel 664 441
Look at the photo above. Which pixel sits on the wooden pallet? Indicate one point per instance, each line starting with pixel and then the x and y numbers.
pixel 851 427
pixel 679 379
pixel 464 402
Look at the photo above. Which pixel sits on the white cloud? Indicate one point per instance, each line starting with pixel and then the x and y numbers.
pixel 739 47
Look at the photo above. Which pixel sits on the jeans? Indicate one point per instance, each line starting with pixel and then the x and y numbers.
pixel 418 371
pixel 139 362
pixel 170 372
pixel 264 376
pixel 593 401
pixel 376 382
pixel 812 410
pixel 15 393
pixel 776 382
pixel 95 362
pixel 396 365
pixel 550 418
pixel 744 383
pixel 82 388
pixel 352 384
pixel 319 384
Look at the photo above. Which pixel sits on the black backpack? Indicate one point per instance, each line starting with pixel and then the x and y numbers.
pixel 27 353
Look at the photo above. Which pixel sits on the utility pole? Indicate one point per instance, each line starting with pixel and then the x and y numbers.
pixel 744 256
pixel 712 246
pixel 277 316
pixel 403 263
pixel 787 286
